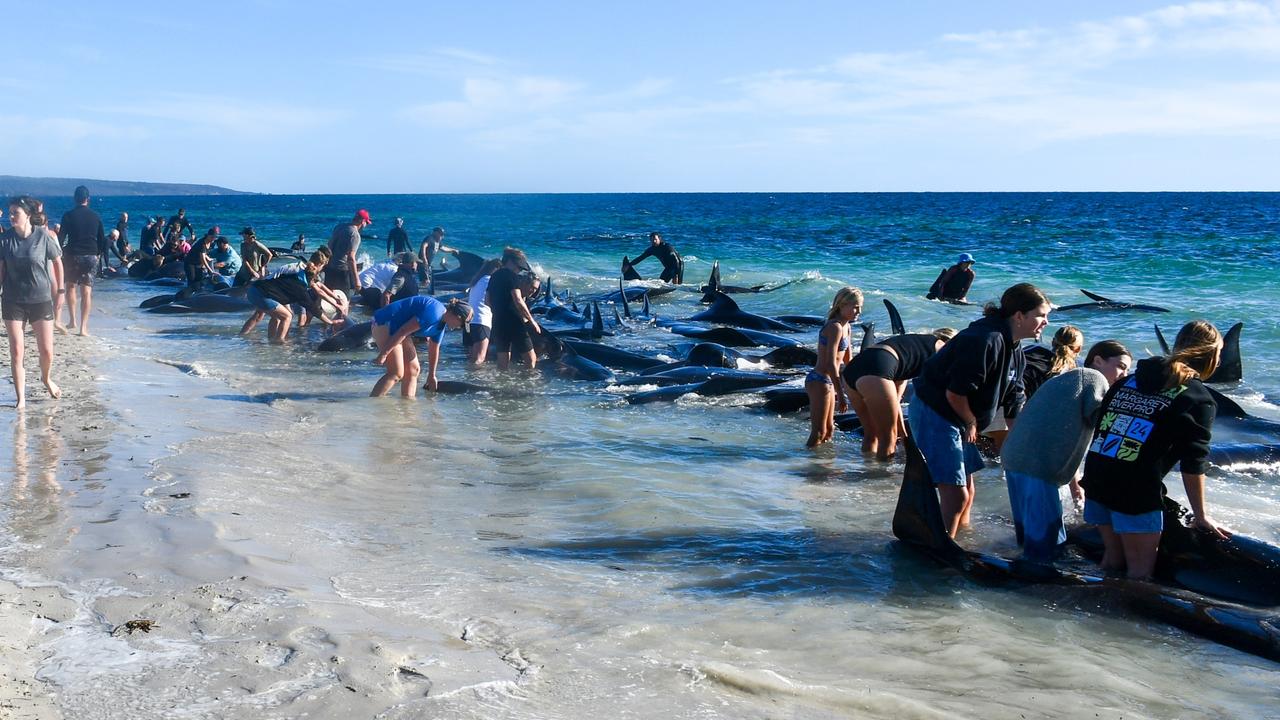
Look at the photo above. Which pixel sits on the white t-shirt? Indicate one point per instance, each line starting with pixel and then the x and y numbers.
pixel 483 313
pixel 378 275
pixel 292 268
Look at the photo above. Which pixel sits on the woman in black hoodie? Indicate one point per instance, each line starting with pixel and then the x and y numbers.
pixel 1160 416
pixel 960 387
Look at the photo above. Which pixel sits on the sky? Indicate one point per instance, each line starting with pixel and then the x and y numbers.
pixel 479 97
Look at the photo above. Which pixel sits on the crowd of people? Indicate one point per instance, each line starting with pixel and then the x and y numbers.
pixel 1108 428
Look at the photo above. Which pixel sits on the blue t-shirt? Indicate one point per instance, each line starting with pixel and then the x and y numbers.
pixel 228 256
pixel 428 311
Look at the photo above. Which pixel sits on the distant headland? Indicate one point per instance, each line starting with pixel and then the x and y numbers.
pixel 65 187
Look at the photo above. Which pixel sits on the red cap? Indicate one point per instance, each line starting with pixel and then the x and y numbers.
pixel 363 214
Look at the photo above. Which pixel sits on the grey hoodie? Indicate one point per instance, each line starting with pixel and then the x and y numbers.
pixel 1053 431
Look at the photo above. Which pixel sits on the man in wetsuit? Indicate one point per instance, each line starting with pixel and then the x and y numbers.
pixel 181 222
pixel 397 239
pixel 84 250
pixel 672 264
pixel 954 282
pixel 432 245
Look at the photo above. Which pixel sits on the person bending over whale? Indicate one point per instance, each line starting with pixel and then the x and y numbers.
pixel 512 321
pixel 273 296
pixel 1158 417
pixel 953 283
pixel 1043 364
pixel 1046 448
pixel 672 264
pixel 826 393
pixel 393 329
pixel 876 379
pixel 960 388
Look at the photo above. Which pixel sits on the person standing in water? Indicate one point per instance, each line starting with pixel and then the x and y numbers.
pixel 393 329
pixel 342 273
pixel 30 278
pixel 512 321
pixel 672 263
pixel 960 388
pixel 876 380
pixel 397 239
pixel 1045 450
pixel 1160 416
pixel 476 338
pixel 84 244
pixel 826 393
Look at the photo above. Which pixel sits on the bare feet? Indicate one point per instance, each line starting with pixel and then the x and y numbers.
pixel 83 332
pixel 54 391
pixel 61 328
pixel 22 403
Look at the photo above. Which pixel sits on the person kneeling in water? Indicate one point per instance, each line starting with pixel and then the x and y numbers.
pixel 393 329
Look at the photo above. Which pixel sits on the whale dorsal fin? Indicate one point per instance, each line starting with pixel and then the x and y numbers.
pixel 645 295
pixel 597 322
pixel 895 318
pixel 868 335
pixel 722 304
pixel 1230 368
pixel 1164 345
pixel 1095 296
pixel 616 316
pixel 626 307
pixel 629 270
pixel 1226 406
pixel 713 282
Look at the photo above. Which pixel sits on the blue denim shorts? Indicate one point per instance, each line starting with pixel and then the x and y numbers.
pixel 951 460
pixel 1095 513
pixel 260 301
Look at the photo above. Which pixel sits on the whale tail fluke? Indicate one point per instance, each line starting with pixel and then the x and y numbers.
pixel 917 519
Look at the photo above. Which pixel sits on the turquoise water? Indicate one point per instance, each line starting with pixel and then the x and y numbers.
pixel 689 559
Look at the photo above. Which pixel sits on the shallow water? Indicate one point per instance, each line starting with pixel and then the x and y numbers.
pixel 565 554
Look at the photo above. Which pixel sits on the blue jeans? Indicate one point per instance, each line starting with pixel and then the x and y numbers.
pixel 1037 516
pixel 951 460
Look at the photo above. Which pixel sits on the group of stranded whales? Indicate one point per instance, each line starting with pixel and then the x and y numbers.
pixel 1227 591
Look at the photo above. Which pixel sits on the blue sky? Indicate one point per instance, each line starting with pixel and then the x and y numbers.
pixel 660 96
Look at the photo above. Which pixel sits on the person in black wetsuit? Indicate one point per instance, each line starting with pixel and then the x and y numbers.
pixel 672 264
pixel 84 249
pixel 953 283
pixel 195 264
pixel 181 223
pixel 397 239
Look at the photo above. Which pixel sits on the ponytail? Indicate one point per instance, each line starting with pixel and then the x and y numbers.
pixel 1023 297
pixel 1067 344
pixel 459 308
pixel 1195 354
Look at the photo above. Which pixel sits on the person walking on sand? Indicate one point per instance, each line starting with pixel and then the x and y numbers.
pixel 30 278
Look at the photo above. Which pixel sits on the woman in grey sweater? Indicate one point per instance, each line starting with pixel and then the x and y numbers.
pixel 1044 451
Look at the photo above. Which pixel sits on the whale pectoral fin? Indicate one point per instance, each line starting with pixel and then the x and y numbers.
pixel 895 318
pixel 1164 345
pixel 917 519
pixel 1230 368
pixel 1226 406
pixel 1095 297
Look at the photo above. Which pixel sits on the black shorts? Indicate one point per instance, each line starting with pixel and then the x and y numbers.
pixel 510 337
pixel 874 361
pixel 475 333
pixel 80 269
pixel 23 312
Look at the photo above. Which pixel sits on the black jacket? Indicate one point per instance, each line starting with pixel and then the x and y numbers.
pixel 1142 432
pixel 983 363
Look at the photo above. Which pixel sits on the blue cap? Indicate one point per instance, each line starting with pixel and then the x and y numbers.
pixel 965 257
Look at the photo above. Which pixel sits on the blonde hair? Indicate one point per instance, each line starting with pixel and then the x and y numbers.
pixel 1067 344
pixel 1195 354
pixel 844 296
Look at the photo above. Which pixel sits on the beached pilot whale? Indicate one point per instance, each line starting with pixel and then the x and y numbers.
pixel 713 386
pixel 724 311
pixel 204 303
pixel 1195 573
pixel 1102 303
pixel 566 362
pixel 731 336
pixel 1230 369
pixel 355 337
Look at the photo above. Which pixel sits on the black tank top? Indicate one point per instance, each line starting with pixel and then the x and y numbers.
pixel 913 351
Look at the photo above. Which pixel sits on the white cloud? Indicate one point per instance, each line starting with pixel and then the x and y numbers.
pixel 244 118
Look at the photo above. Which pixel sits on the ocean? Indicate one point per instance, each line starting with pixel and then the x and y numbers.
pixel 554 552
